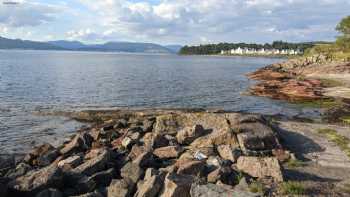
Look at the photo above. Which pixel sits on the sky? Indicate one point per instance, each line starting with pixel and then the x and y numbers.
pixel 173 21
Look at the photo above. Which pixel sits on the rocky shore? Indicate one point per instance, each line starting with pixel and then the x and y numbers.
pixel 154 153
pixel 302 79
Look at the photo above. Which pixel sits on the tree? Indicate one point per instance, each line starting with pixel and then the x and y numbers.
pixel 343 27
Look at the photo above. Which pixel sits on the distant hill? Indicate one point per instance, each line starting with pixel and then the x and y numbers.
pixel 68 44
pixel 131 47
pixel 174 48
pixel 26 44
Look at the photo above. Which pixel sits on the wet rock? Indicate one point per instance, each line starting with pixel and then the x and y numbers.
pixel 191 168
pixel 72 161
pixel 34 181
pixel 189 134
pixel 94 165
pixel 20 170
pixel 177 185
pixel 168 152
pixel 120 188
pixel 256 137
pixel 132 171
pixel 81 142
pixel 260 167
pixel 227 153
pixel 212 190
pixel 50 193
pixel 84 185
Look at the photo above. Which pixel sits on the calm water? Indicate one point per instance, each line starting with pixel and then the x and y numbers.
pixel 42 80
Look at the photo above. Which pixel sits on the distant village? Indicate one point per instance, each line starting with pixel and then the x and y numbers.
pixel 251 51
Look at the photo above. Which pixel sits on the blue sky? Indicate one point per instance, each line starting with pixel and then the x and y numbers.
pixel 173 21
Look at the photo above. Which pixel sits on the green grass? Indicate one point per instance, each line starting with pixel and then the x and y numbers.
pixel 257 187
pixel 323 103
pixel 294 163
pixel 342 142
pixel 330 83
pixel 346 188
pixel 345 119
pixel 292 188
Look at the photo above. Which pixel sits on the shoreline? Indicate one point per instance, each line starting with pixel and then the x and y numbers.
pixel 122 150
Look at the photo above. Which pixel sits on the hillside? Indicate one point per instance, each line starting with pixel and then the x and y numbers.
pixel 26 44
pixel 130 47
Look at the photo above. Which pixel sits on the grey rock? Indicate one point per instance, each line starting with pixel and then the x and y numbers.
pixel 212 190
pixel 256 137
pixel 91 194
pixel 261 167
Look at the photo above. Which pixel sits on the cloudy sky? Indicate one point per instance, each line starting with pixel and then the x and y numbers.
pixel 173 21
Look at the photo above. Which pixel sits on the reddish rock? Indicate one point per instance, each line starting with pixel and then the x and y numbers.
pixel 168 152
pixel 191 168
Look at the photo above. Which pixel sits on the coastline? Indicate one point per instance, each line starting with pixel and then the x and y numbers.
pixel 191 150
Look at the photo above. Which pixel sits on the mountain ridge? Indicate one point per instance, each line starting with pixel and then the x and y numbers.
pixel 112 46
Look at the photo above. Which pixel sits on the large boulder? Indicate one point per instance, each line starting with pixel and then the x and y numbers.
pixel 261 167
pixel 93 165
pixel 72 161
pixel 257 138
pixel 177 185
pixel 189 134
pixel 36 180
pixel 212 190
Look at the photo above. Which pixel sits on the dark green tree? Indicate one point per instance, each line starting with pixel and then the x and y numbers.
pixel 343 27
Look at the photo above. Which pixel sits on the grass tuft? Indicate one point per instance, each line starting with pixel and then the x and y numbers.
pixel 342 141
pixel 292 188
pixel 257 187
pixel 294 163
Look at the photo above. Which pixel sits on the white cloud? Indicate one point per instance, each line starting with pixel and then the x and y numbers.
pixel 27 14
pixel 184 21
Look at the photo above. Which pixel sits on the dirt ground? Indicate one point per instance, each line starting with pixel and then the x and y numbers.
pixel 325 168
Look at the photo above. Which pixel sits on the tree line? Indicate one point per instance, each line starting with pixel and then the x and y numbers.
pixel 211 49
